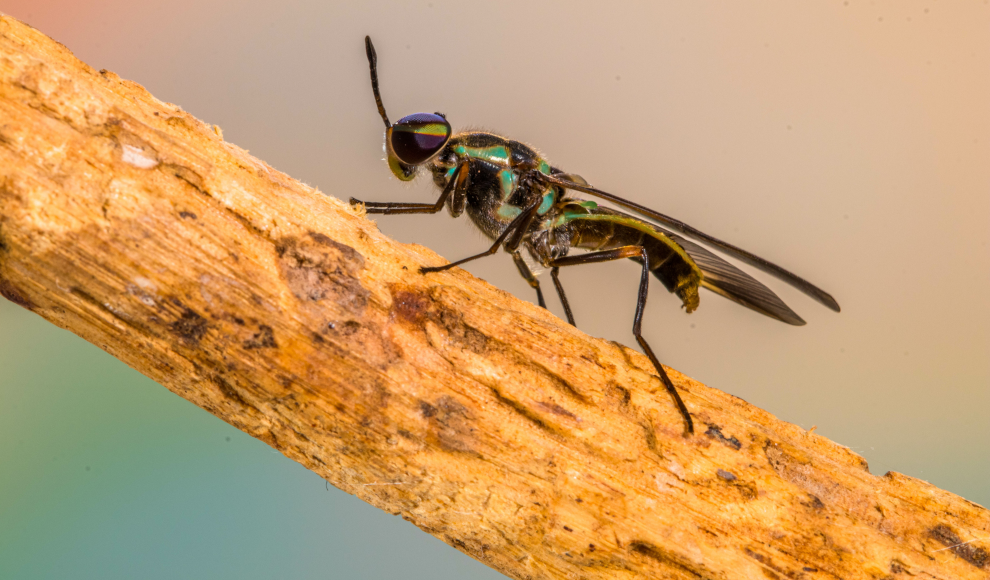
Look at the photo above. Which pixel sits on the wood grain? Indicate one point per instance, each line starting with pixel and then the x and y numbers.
pixel 482 419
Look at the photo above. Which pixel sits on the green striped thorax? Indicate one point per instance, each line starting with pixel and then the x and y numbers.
pixel 507 160
pixel 413 140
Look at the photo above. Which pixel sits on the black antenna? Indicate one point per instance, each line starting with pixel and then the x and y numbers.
pixel 373 62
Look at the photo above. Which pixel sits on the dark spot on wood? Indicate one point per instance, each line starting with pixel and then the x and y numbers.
pixel 758 557
pixel 568 529
pixel 453 416
pixel 726 475
pixel 374 397
pixel 807 569
pixel 670 560
pixel 410 306
pixel 525 412
pixel 579 500
pixel 557 410
pixel 650 434
pixel 591 547
pixel 715 432
pixel 264 338
pixel 405 434
pixel 15 295
pixel 185 174
pixel 318 268
pixel 814 503
pixel 451 426
pixel 238 321
pixel 322 239
pixel 190 327
pixel 966 550
pixel 626 395
pixel 230 392
pixel 317 338
pixel 461 333
pixel 345 328
pixel 769 569
pixel 747 490
pixel 187 215
pixel 897 567
pixel 795 466
pixel 268 436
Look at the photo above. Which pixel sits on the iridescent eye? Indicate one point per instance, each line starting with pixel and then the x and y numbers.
pixel 418 137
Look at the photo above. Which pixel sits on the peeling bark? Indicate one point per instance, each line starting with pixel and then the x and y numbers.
pixel 482 419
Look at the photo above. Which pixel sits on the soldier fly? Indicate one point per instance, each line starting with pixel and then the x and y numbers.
pixel 516 198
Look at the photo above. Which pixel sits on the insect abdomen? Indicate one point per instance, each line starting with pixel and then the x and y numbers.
pixel 604 229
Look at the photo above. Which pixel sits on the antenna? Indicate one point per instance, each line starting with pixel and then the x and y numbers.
pixel 373 62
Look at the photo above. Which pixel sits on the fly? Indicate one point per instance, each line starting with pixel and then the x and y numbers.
pixel 520 201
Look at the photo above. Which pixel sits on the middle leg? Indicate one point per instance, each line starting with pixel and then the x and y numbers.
pixel 528 275
pixel 554 273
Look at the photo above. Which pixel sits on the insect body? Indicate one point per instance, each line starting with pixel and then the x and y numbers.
pixel 521 202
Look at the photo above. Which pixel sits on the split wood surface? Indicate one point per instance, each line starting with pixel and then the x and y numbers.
pixel 482 419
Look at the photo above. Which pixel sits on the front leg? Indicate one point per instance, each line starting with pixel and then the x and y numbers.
pixel 458 181
pixel 523 220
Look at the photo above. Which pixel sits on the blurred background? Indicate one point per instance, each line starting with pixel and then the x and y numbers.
pixel 848 141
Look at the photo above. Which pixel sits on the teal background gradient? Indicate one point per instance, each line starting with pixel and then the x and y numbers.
pixel 849 141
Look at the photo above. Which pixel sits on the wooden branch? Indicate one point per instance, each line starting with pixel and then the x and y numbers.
pixel 482 419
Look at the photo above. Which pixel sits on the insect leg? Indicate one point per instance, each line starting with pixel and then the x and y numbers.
pixel 521 220
pixel 563 297
pixel 644 286
pixel 457 181
pixel 527 274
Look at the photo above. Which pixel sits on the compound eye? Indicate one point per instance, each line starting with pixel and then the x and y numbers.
pixel 418 137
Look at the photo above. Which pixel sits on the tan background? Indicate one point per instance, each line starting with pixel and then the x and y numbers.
pixel 849 141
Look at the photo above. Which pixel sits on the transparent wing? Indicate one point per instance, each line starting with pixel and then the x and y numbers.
pixel 723 278
pixel 737 252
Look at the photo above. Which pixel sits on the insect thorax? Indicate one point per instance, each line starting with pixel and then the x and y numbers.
pixel 493 197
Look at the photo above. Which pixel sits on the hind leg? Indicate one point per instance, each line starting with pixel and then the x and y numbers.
pixel 644 286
